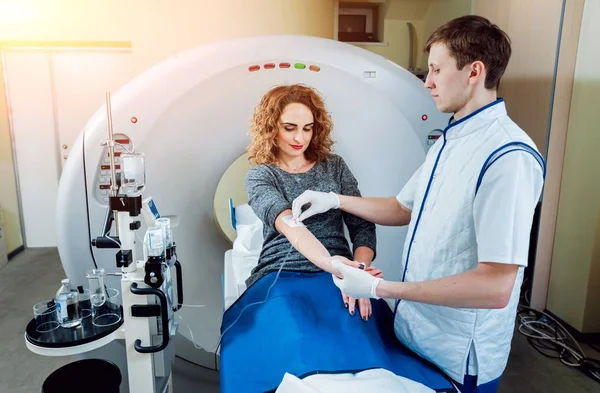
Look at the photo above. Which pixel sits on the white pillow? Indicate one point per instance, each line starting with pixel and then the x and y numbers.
pixel 248 243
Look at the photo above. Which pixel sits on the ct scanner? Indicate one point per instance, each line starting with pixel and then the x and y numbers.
pixel 189 115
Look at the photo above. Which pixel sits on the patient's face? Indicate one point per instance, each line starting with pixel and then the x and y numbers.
pixel 295 130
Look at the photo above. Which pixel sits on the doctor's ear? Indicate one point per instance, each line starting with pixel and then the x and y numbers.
pixel 477 72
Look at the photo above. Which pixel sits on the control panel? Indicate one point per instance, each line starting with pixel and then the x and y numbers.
pixel 433 136
pixel 102 182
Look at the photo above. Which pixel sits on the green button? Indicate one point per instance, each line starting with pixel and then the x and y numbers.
pixel 299 66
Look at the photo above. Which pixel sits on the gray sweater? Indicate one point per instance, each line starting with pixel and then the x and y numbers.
pixel 271 190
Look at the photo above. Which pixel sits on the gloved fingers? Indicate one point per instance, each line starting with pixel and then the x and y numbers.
pixel 365 309
pixel 346 266
pixel 297 204
pixel 350 263
pixel 342 264
pixel 306 214
pixel 351 305
pixel 336 264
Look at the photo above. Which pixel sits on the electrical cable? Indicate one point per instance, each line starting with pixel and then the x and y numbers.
pixel 199 365
pixel 551 339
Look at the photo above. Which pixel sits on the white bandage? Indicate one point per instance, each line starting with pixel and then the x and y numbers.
pixel 291 221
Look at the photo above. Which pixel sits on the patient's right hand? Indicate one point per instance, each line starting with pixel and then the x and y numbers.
pixel 364 305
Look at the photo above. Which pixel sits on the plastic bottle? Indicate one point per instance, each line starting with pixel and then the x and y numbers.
pixel 67 305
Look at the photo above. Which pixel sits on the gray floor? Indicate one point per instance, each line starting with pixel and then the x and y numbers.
pixel 35 274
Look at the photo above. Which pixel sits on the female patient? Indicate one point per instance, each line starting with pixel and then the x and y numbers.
pixel 291 146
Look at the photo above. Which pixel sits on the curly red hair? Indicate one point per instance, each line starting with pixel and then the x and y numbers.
pixel 264 123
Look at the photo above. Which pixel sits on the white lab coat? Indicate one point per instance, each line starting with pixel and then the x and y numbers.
pixel 463 214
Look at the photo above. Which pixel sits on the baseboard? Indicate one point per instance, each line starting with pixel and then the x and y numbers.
pixel 588 338
pixel 14 252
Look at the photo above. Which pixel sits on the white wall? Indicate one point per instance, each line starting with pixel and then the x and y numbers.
pixel 154 29
pixel 440 12
pixel 9 203
pixel 160 28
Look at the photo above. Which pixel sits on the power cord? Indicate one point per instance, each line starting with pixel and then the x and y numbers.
pixel 199 365
pixel 551 339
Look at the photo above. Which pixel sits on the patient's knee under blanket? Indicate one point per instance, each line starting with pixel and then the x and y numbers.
pixel 303 328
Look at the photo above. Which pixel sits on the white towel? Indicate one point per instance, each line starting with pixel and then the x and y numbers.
pixel 377 380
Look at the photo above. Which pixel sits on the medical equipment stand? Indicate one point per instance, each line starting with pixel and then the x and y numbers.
pixel 148 307
pixel 139 280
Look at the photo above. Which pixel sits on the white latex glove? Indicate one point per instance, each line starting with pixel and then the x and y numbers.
pixel 320 202
pixel 355 283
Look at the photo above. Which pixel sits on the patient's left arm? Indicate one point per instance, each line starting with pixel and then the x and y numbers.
pixel 306 243
pixel 267 201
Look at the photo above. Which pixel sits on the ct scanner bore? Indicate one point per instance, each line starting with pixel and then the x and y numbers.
pixel 192 114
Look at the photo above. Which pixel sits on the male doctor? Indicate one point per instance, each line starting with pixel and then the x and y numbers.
pixel 469 210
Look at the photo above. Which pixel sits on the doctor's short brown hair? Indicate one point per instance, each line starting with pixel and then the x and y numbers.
pixel 264 124
pixel 474 38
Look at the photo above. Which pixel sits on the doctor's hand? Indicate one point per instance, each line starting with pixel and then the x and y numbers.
pixel 320 202
pixel 354 282
pixel 364 304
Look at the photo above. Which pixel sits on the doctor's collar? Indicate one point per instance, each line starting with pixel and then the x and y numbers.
pixel 452 123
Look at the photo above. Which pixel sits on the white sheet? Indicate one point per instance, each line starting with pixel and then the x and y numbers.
pixel 377 380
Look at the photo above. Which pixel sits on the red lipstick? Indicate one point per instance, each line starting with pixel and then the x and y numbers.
pixel 297 147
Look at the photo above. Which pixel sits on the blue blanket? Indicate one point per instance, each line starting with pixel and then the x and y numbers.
pixel 303 328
